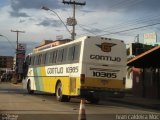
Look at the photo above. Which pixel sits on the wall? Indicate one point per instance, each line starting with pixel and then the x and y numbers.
pixel 146 82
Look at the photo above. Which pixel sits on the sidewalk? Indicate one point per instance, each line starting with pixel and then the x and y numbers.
pixel 138 101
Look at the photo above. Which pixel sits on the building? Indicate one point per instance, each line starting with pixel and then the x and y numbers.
pixel 146 73
pixel 50 43
pixel 6 63
pixel 133 50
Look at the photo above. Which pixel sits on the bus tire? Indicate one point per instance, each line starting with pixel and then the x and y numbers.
pixel 29 87
pixel 60 97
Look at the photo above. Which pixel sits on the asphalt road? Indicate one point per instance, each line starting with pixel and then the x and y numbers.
pixel 16 103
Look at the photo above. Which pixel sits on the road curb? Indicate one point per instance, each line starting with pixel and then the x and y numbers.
pixel 17 84
pixel 154 106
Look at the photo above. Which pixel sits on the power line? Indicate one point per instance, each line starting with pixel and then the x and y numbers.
pixel 129 29
pixel 133 22
pixel 126 4
pixel 116 27
pixel 123 4
pixel 88 30
pixel 142 30
pixel 127 24
pixel 149 19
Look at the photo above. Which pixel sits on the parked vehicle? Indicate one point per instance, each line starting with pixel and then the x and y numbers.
pixel 6 77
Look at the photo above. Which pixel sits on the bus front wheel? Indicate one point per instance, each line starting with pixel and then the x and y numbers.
pixel 60 97
pixel 29 87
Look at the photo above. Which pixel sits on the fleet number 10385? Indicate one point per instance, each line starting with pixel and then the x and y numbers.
pixel 72 69
pixel 104 74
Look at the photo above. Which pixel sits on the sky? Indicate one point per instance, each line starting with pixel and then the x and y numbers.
pixel 120 19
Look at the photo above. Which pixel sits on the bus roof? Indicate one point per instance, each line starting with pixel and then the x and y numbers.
pixel 71 42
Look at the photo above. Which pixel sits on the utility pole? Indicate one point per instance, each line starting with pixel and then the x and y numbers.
pixel 137 38
pixel 17 31
pixel 72 21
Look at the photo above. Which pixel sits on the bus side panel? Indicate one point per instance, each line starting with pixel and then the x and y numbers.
pixel 65 84
pixel 47 86
pixel 31 78
pixel 67 74
pixel 74 86
pixel 40 81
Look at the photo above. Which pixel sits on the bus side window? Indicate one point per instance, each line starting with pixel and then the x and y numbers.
pixel 29 61
pixel 71 53
pixel 32 60
pixel 64 54
pixel 43 59
pixel 36 60
pixel 44 56
pixel 60 55
pixel 39 60
pixel 55 56
pixel 76 52
pixel 47 58
pixel 51 56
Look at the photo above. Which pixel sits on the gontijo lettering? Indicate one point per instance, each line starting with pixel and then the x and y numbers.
pixel 106 58
pixel 55 70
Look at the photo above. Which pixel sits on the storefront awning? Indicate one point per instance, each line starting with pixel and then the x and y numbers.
pixel 150 58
